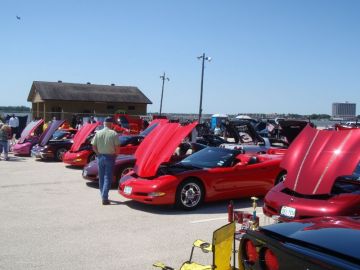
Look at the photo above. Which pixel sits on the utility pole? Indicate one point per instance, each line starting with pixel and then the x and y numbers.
pixel 163 77
pixel 203 57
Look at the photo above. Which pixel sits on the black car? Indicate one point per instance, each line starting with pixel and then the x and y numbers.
pixel 59 143
pixel 317 243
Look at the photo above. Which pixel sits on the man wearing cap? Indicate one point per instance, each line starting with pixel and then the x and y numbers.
pixel 106 145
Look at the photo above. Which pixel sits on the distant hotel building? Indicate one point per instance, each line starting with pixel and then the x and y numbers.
pixel 345 111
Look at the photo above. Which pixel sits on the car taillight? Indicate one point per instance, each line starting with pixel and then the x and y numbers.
pixel 271 262
pixel 251 254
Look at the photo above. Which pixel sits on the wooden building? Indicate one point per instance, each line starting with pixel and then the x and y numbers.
pixel 63 100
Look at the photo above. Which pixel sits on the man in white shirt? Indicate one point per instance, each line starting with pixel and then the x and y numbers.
pixel 14 124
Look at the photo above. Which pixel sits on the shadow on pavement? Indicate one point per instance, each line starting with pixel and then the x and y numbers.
pixel 15 158
pixel 73 167
pixel 46 160
pixel 206 208
pixel 93 184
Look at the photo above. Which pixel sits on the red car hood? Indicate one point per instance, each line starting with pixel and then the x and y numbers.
pixel 30 128
pixel 159 146
pixel 82 134
pixel 317 157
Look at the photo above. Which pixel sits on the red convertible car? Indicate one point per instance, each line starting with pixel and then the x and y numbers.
pixel 29 137
pixel 81 152
pixel 323 176
pixel 207 175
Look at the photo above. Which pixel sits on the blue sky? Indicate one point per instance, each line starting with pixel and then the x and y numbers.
pixel 267 56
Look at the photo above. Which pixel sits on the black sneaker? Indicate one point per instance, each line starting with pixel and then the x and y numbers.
pixel 105 202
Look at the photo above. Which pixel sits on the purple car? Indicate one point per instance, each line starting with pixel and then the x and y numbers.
pixel 29 137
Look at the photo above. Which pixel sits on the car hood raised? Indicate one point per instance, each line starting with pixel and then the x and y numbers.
pixel 45 137
pixel 292 128
pixel 317 157
pixel 82 134
pixel 158 147
pixel 323 232
pixel 30 128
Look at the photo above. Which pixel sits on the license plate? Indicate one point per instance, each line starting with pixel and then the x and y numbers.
pixel 127 190
pixel 84 173
pixel 288 212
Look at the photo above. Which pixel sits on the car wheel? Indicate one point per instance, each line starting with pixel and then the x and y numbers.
pixel 281 178
pixel 91 157
pixel 60 154
pixel 189 194
pixel 122 172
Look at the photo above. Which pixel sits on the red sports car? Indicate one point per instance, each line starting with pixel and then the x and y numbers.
pixel 208 175
pixel 81 152
pixel 323 176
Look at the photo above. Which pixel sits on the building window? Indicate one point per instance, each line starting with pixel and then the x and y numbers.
pixel 131 108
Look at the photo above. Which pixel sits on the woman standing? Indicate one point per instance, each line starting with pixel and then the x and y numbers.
pixel 5 132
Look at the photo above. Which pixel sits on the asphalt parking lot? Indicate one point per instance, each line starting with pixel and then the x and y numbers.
pixel 52 219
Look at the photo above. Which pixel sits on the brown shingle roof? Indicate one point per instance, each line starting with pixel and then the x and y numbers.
pixel 87 92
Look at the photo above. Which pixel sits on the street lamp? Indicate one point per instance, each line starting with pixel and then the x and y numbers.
pixel 203 57
pixel 163 77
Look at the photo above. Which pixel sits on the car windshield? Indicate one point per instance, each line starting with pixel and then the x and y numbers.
pixel 148 129
pixel 59 134
pixel 347 183
pixel 125 140
pixel 355 175
pixel 122 120
pixel 210 157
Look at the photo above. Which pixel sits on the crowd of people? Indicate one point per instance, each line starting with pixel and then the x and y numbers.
pixel 8 133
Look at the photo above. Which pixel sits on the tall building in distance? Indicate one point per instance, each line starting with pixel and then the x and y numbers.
pixel 344 110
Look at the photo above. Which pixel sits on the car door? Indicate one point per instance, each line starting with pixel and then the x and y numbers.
pixel 242 180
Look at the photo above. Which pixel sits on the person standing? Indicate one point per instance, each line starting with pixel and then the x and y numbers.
pixel 4 137
pixel 92 120
pixel 14 124
pixel 106 145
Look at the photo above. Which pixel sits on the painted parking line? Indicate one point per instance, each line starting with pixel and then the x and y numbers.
pixel 208 220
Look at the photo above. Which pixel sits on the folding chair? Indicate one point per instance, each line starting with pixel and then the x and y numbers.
pixel 221 247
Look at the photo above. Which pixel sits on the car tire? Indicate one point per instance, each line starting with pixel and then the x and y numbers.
pixel 60 153
pixel 122 172
pixel 189 194
pixel 281 177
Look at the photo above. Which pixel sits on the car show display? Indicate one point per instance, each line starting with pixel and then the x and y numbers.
pixel 208 175
pixel 323 176
pixel 317 243
pixel 54 142
pixel 81 152
pixel 309 180
pixel 29 137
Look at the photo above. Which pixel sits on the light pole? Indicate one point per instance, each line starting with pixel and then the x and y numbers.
pixel 163 77
pixel 203 57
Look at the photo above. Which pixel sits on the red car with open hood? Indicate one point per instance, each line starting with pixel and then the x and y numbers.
pixel 210 174
pixel 323 176
pixel 81 152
